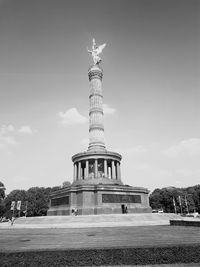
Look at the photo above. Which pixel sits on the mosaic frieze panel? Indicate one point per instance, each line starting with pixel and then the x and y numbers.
pixel 60 201
pixel 114 198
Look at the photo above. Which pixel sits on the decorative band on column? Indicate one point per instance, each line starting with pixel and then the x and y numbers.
pixel 95 110
pixel 96 126
pixel 95 74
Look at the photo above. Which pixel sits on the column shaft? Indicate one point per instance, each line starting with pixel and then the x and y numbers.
pixel 96 168
pixel 86 169
pixel 75 171
pixel 113 170
pixel 105 168
pixel 79 170
pixel 118 171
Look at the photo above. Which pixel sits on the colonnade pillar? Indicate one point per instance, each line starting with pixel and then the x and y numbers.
pixel 118 171
pixel 75 171
pixel 105 168
pixel 113 169
pixel 79 170
pixel 95 168
pixel 86 169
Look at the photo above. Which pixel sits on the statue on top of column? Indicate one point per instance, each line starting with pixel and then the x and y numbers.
pixel 96 50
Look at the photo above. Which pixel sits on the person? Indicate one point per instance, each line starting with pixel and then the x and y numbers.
pixel 126 209
pixel 75 212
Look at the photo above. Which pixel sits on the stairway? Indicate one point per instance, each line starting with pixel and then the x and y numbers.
pixel 86 221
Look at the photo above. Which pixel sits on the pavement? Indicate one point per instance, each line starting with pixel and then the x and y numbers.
pixel 88 221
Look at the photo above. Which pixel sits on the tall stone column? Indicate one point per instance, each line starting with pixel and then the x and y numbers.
pixel 96 127
pixel 118 171
pixel 109 173
pixel 113 170
pixel 75 171
pixel 105 168
pixel 79 170
pixel 95 168
pixel 86 169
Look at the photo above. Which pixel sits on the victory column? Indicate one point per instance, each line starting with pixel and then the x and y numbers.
pixel 97 187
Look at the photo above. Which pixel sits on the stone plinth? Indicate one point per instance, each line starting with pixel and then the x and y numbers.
pixel 91 199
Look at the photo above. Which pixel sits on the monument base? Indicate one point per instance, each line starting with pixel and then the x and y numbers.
pixel 89 199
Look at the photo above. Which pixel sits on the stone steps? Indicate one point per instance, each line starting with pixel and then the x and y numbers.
pixel 112 220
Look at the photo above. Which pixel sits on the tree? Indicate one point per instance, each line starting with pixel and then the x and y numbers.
pixel 66 184
pixel 2 196
pixel 38 201
pixel 15 195
pixel 186 199
pixel 2 191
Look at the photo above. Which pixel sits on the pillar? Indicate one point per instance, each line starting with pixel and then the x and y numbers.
pixel 96 168
pixel 118 171
pixel 79 170
pixel 113 170
pixel 75 171
pixel 86 169
pixel 105 168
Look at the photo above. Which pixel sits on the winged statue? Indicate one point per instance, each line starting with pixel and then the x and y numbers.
pixel 96 50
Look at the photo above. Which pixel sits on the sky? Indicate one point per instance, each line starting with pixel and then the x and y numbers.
pixel 151 81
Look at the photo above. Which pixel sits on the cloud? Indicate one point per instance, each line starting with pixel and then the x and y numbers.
pixel 5 138
pixel 8 134
pixel 4 129
pixel 108 110
pixel 72 116
pixel 25 129
pixel 188 147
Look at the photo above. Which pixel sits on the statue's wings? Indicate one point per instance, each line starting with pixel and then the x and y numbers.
pixel 100 48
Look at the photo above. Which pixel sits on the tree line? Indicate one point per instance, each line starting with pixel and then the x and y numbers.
pixel 34 201
pixel 181 200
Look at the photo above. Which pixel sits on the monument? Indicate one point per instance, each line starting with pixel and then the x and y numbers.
pixel 97 186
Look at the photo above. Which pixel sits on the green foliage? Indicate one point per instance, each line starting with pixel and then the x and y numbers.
pixel 186 199
pixel 2 196
pixel 15 195
pixel 34 201
pixel 2 191
pixel 38 200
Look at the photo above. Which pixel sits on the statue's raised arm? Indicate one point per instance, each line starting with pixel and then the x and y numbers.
pixel 96 50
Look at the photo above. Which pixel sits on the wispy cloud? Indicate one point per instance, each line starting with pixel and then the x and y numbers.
pixel 188 147
pixel 4 129
pixel 26 129
pixel 9 133
pixel 108 110
pixel 6 139
pixel 72 116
